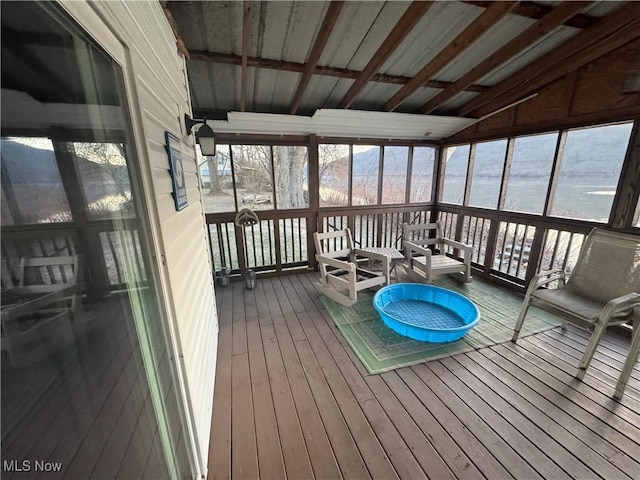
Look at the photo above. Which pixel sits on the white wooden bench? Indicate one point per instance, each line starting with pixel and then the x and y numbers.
pixel 603 290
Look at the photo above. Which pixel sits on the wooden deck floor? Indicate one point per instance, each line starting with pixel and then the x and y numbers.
pixel 293 401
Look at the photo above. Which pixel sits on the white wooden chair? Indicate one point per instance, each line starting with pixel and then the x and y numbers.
pixel 423 263
pixel 341 277
pixel 603 290
pixel 44 312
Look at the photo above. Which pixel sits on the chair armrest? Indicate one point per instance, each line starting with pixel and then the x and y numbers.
pixel 545 278
pixel 467 249
pixel 333 262
pixel 622 304
pixel 410 247
pixel 371 255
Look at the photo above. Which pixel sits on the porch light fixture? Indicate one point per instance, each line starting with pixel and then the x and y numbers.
pixel 204 135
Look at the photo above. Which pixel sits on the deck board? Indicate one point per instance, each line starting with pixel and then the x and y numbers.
pixel 294 450
pixel 323 462
pixel 221 434
pixel 270 461
pixel 556 423
pixel 507 411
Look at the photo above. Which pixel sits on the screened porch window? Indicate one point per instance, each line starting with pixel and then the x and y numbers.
pixel 530 172
pixel 422 174
pixel 394 176
pixel 334 163
pixel 456 161
pixel 590 168
pixel 487 174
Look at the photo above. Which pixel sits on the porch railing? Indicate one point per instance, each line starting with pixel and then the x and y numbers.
pixel 513 247
pixel 283 240
pixel 112 255
pixel 507 246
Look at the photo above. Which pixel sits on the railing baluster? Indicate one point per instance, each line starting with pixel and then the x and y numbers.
pixel 276 237
pixel 300 236
pixel 481 241
pixel 504 244
pixel 211 249
pixel 522 250
pixel 567 252
pixel 293 241
pixel 552 263
pixel 269 227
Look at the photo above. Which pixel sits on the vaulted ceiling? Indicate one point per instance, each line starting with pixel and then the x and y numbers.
pixel 466 58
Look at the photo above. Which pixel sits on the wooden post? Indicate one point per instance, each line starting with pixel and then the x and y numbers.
pixel 555 172
pixel 508 159
pixel 536 252
pixel 437 181
pixel 490 251
pixel 378 217
pixel 314 198
pixel 469 180
pixel 628 190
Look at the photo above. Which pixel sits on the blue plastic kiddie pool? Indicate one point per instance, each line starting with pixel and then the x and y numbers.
pixel 424 312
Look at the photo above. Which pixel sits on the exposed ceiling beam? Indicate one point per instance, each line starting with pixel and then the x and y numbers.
pixel 536 11
pixel 231 59
pixel 328 23
pixel 542 27
pixel 411 17
pixel 580 49
pixel 246 38
pixel 621 37
pixel 484 22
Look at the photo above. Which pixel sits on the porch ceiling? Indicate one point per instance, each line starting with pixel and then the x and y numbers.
pixel 445 58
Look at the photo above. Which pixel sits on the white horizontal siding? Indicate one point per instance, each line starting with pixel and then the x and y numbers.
pixel 160 98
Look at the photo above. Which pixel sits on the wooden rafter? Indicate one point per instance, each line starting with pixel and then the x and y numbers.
pixel 609 33
pixel 537 10
pixel 246 38
pixel 556 16
pixel 328 23
pixel 485 21
pixel 411 17
pixel 281 65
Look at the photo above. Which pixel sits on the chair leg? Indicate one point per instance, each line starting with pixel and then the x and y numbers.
pixel 523 313
pixel 467 272
pixel 591 349
pixel 632 358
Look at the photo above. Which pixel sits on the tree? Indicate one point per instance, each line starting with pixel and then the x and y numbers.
pixel 290 163
pixel 114 184
pixel 214 176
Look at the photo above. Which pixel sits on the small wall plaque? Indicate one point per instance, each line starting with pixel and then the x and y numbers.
pixel 176 171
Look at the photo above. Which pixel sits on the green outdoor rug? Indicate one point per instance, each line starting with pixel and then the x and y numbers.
pixel 381 349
